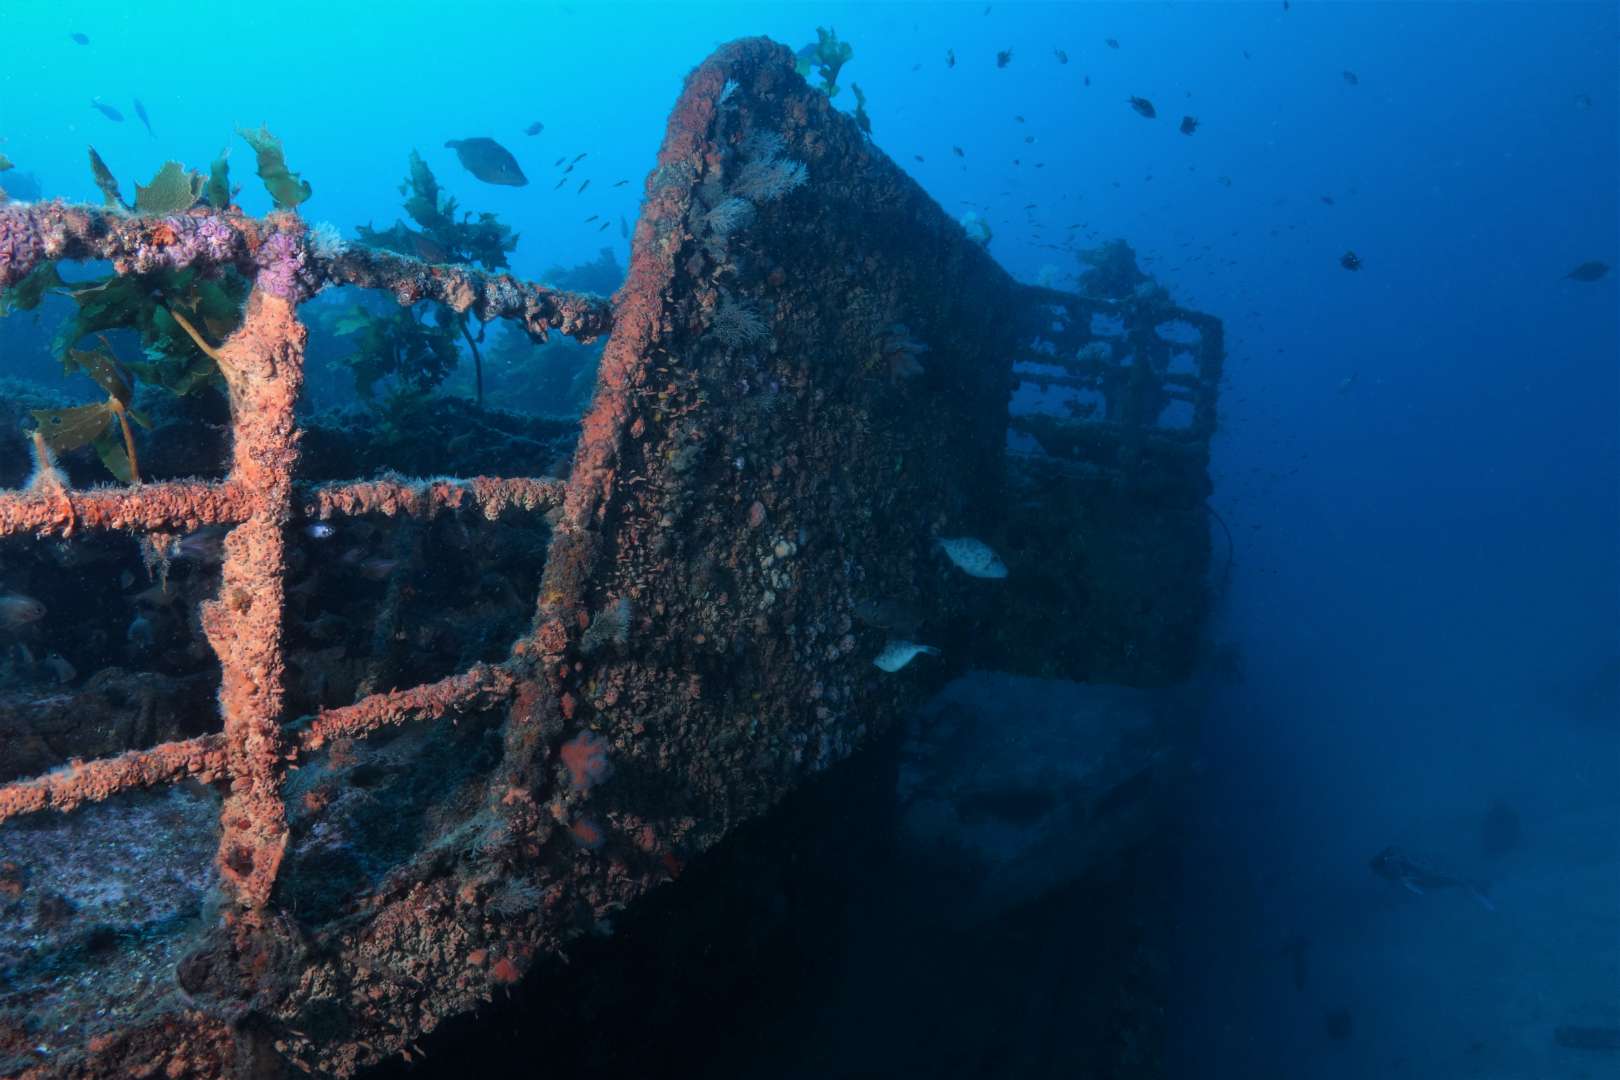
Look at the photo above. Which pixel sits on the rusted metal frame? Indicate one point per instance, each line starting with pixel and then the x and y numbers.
pixel 425 499
pixel 35 233
pixel 83 782
pixel 171 507
pixel 482 686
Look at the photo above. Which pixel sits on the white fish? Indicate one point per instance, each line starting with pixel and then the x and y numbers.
pixel 973 557
pixel 897 654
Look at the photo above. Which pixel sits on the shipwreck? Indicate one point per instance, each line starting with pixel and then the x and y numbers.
pixel 811 375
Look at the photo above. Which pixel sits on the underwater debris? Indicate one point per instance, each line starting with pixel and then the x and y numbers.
pixel 1143 107
pixel 1350 261
pixel 973 557
pixel 897 654
pixel 488 160
pixel 107 110
pixel 1588 271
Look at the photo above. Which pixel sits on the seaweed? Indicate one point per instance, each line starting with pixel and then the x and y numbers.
pixel 442 239
pixel 106 182
pixel 825 57
pixel 219 192
pixel 862 120
pixel 104 424
pixel 284 186
pixel 402 346
pixel 172 191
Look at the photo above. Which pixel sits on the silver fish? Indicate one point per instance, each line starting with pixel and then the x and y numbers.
pixel 17 611
pixel 973 557
pixel 897 654
pixel 1418 875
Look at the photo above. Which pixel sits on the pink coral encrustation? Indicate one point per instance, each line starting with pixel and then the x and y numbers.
pixel 284 268
pixel 21 246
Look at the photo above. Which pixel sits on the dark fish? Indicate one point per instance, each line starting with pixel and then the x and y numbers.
pixel 1111 43
pixel 1189 124
pixel 957 150
pixel 107 110
pixel 1018 119
pixel 620 183
pixel 917 157
pixel 605 224
pixel 950 58
pixel 1588 271
pixel 916 67
pixel 583 185
pixel 560 183
pixel 1298 947
pixel 1088 80
pixel 592 218
pixel 1246 55
pixel 1583 101
pixel 1029 138
pixel 1285 5
pixel 559 161
pixel 1337 1023
pixel 488 160
pixel 581 155
pixel 1350 261
pixel 1226 181
pixel 79 39
pixel 1352 78
pixel 624 227
pixel 1062 57
pixel 534 129
pixel 1418 875
pixel 140 111
pixel 1003 58
pixel 1143 107
pixel 1328 199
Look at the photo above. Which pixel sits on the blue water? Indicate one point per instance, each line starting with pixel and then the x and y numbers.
pixel 1420 460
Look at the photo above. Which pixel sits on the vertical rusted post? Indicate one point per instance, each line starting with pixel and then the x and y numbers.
pixel 263 366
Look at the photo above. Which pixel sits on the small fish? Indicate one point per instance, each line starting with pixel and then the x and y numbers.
pixel 1327 200
pixel 605 226
pixel 1226 181
pixel 107 110
pixel 560 183
pixel 1588 271
pixel 488 160
pixel 1583 102
pixel 1417 874
pixel 559 161
pixel 1350 261
pixel 1351 77
pixel 140 633
pixel 1144 107
pixel 62 671
pixel 585 184
pixel 206 545
pixel 17 611
pixel 592 218
pixel 580 156
pixel 1246 55
pixel 79 39
pixel 319 530
pixel 973 557
pixel 378 569
pixel 950 58
pixel 897 654
pixel 620 183
pixel 624 227
pixel 1112 43
pixel 1189 124
pixel 918 157
pixel 1088 80
pixel 1286 5
pixel 1062 57
pixel 534 129
pixel 1348 381
pixel 1018 119
pixel 957 150
pixel 1003 58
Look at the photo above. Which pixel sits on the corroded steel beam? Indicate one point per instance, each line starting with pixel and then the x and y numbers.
pixel 423 499
pixel 484 686
pixel 81 782
pixel 279 248
pixel 174 507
